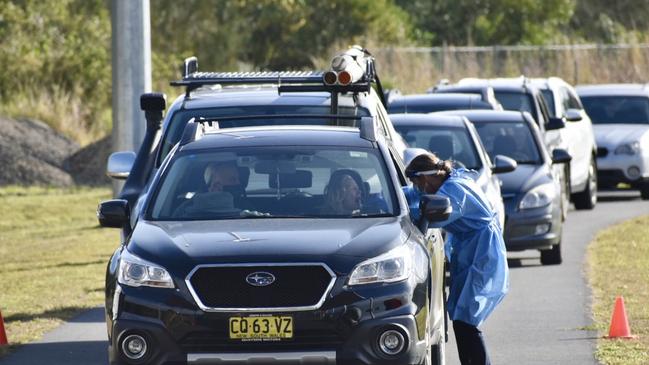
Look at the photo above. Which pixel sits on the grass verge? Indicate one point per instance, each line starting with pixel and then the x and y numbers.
pixel 53 258
pixel 619 265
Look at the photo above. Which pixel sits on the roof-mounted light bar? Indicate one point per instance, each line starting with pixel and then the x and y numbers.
pixel 351 71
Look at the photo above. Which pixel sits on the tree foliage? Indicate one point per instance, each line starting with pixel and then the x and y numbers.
pixel 63 46
pixel 270 34
pixel 488 22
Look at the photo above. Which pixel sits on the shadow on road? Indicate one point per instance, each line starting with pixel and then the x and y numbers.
pixel 66 314
pixel 59 353
pixel 517 262
pixel 616 196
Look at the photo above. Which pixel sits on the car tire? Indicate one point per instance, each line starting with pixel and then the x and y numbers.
pixel 587 199
pixel 644 191
pixel 552 256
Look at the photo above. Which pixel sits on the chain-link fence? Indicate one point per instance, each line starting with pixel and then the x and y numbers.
pixel 416 69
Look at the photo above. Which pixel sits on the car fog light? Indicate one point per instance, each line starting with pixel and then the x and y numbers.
pixel 134 347
pixel 391 342
pixel 541 228
pixel 633 172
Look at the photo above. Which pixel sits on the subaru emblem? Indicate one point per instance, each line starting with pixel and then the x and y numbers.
pixel 260 278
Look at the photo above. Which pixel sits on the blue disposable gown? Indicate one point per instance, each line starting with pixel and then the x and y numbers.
pixel 474 246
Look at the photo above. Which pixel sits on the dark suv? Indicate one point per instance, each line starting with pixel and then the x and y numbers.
pixel 263 272
pixel 229 94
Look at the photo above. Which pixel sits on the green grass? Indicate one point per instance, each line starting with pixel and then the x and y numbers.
pixel 53 257
pixel 619 265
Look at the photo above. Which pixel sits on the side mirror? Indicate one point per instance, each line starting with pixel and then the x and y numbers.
pixel 554 124
pixel 435 208
pixel 120 164
pixel 503 164
pixel 559 155
pixel 113 213
pixel 573 115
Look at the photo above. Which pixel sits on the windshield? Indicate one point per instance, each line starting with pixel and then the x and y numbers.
pixel 272 182
pixel 515 101
pixel 514 140
pixel 617 109
pixel 436 106
pixel 180 119
pixel 448 143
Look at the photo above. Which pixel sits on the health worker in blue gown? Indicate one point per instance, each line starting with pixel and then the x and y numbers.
pixel 477 259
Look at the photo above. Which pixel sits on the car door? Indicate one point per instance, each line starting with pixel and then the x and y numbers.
pixel 435 246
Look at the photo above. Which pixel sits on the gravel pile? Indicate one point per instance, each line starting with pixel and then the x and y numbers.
pixel 32 153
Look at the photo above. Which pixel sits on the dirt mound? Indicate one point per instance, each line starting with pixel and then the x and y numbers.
pixel 32 153
pixel 88 165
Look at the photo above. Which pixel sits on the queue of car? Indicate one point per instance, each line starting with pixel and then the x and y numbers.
pixel 235 252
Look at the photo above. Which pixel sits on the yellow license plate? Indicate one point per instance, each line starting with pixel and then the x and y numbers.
pixel 261 327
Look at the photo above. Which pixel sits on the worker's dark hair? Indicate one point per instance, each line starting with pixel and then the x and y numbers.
pixel 427 162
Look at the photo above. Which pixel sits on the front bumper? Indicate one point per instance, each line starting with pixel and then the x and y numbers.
pixel 538 228
pixel 613 169
pixel 344 331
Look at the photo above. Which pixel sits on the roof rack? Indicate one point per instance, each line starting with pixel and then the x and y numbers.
pixel 351 71
pixel 196 128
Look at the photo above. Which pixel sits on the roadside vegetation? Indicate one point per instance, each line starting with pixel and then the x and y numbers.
pixel 53 257
pixel 57 65
pixel 619 266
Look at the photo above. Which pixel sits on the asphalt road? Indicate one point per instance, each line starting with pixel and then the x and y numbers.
pixel 543 319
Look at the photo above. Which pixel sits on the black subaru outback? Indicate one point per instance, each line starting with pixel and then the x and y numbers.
pixel 258 269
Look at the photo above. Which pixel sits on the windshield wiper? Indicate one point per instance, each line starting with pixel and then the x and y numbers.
pixel 372 215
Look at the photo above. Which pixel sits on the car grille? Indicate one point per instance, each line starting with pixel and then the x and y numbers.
pixel 602 152
pixel 223 287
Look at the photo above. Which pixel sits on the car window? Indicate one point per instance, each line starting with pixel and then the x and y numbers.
pixel 617 109
pixel 271 182
pixel 516 101
pixel 448 143
pixel 549 100
pixel 543 107
pixel 573 100
pixel 180 118
pixel 514 140
pixel 437 105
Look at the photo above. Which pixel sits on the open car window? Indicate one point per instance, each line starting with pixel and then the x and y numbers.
pixel 274 182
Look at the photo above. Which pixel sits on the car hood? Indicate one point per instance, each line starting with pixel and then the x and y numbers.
pixel 524 178
pixel 341 243
pixel 612 135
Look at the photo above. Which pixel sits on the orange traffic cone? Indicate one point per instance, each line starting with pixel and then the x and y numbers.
pixel 619 323
pixel 3 334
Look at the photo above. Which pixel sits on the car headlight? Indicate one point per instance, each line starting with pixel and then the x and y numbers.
pixel 134 271
pixel 394 265
pixel 539 196
pixel 631 148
